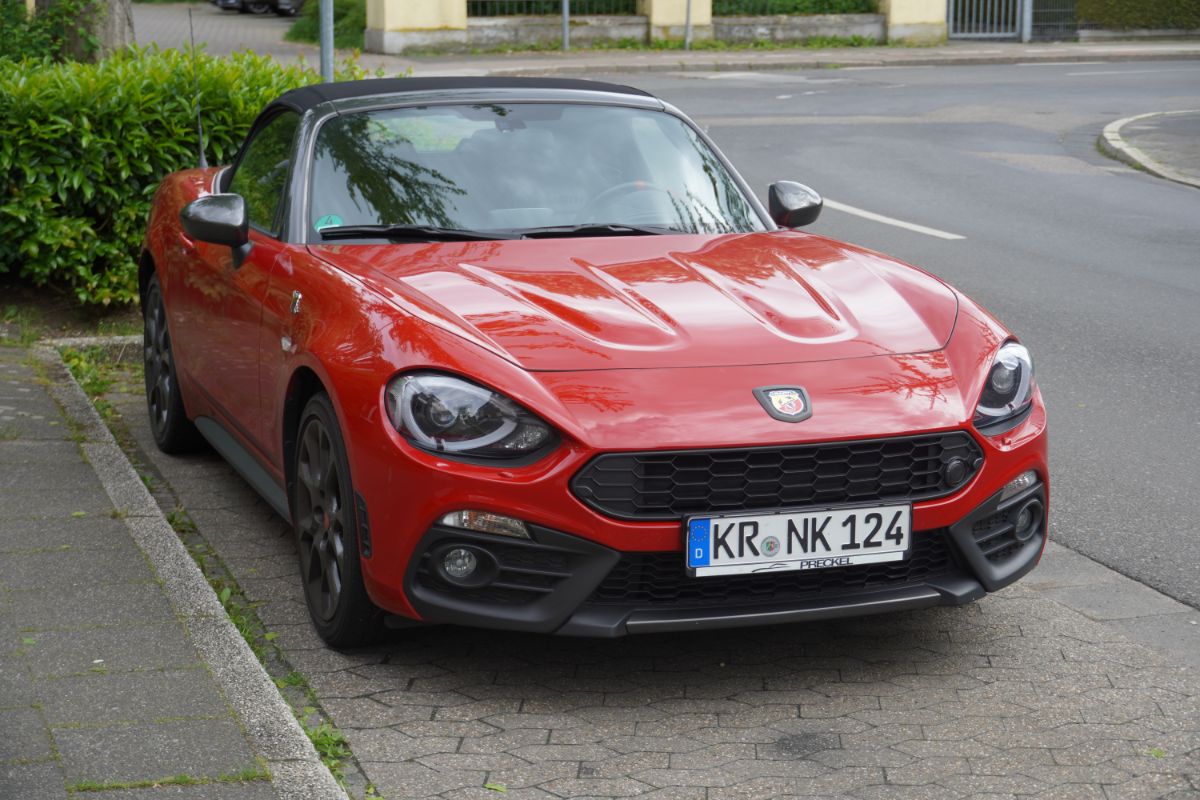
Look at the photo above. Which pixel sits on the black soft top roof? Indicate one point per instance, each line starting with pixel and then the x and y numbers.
pixel 309 96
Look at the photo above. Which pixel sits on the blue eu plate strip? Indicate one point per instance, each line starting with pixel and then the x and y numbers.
pixel 698 541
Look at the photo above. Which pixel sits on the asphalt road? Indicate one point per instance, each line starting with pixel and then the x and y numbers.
pixel 1094 265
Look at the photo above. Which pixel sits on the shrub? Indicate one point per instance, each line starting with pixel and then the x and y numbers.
pixel 83 147
pixel 349 22
pixel 52 32
pixel 1130 14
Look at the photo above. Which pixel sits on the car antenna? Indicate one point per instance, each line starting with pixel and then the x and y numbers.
pixel 196 83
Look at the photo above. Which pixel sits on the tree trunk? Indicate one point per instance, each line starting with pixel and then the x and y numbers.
pixel 114 29
pixel 107 27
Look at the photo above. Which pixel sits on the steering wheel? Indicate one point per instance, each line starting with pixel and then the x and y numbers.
pixel 613 192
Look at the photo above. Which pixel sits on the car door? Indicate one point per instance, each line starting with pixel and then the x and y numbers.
pixel 227 300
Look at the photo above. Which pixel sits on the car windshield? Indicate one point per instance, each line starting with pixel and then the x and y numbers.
pixel 520 168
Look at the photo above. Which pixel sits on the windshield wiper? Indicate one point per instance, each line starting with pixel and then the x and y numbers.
pixel 416 233
pixel 595 229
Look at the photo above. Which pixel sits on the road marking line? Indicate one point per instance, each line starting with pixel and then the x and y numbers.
pixel 1129 71
pixel 899 223
pixel 888 66
pixel 1057 63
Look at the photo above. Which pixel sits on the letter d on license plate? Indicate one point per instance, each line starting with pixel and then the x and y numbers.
pixel 797 540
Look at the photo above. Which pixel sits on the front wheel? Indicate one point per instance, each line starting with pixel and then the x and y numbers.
pixel 173 432
pixel 327 532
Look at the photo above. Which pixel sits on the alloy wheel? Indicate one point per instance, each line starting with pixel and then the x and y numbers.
pixel 321 520
pixel 160 384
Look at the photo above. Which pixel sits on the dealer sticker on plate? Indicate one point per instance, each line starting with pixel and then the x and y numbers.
pixel 797 540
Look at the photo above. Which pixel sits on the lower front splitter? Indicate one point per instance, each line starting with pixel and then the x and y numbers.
pixel 613 621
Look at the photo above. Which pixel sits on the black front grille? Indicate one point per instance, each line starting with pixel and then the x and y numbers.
pixel 670 485
pixel 648 579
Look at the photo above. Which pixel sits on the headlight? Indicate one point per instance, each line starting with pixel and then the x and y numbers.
pixel 1008 391
pixel 451 415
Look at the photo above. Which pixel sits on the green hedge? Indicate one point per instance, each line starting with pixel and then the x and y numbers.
pixel 349 22
pixel 83 146
pixel 48 33
pixel 1131 14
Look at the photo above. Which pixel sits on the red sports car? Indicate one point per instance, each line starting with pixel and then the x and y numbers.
pixel 529 354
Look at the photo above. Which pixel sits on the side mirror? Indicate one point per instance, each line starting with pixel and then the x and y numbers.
pixel 793 205
pixel 219 219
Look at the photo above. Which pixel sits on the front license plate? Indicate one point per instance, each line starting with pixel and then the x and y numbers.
pixel 795 540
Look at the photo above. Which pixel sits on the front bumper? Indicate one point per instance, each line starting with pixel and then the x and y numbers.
pixel 558 583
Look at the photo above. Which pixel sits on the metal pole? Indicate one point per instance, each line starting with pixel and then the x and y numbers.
pixel 326 36
pixel 1026 20
pixel 687 27
pixel 566 37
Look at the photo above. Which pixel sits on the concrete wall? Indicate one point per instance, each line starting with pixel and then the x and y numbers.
pixel 799 28
pixel 488 32
pixel 1102 35
pixel 396 26
pixel 497 32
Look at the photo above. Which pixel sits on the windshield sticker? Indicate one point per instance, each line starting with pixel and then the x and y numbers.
pixel 328 221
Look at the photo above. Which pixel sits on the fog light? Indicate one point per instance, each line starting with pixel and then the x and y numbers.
pixel 1027 520
pixel 486 522
pixel 460 563
pixel 1018 484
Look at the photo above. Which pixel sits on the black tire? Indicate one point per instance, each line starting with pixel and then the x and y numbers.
pixel 172 431
pixel 257 7
pixel 326 528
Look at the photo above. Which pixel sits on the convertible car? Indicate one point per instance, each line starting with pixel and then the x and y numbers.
pixel 529 354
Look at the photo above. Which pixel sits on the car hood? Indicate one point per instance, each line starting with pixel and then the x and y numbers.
pixel 656 302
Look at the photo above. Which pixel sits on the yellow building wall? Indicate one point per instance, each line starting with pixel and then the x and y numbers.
pixel 915 21
pixel 416 15
pixel 673 13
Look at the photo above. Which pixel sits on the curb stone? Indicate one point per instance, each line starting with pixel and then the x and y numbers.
pixel 1113 145
pixel 297 772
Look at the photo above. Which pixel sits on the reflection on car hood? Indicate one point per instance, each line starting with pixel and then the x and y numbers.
pixel 653 302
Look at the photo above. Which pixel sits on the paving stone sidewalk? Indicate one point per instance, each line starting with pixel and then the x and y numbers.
pixel 1166 143
pixel 1020 695
pixel 102 687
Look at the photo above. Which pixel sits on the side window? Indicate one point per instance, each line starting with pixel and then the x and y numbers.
pixel 262 174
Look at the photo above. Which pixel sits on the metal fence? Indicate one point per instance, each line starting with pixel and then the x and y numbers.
pixel 1012 19
pixel 542 8
pixel 985 19
pixel 758 8
pixel 1054 19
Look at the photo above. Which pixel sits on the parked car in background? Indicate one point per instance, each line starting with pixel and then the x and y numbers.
pixel 284 8
pixel 529 354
